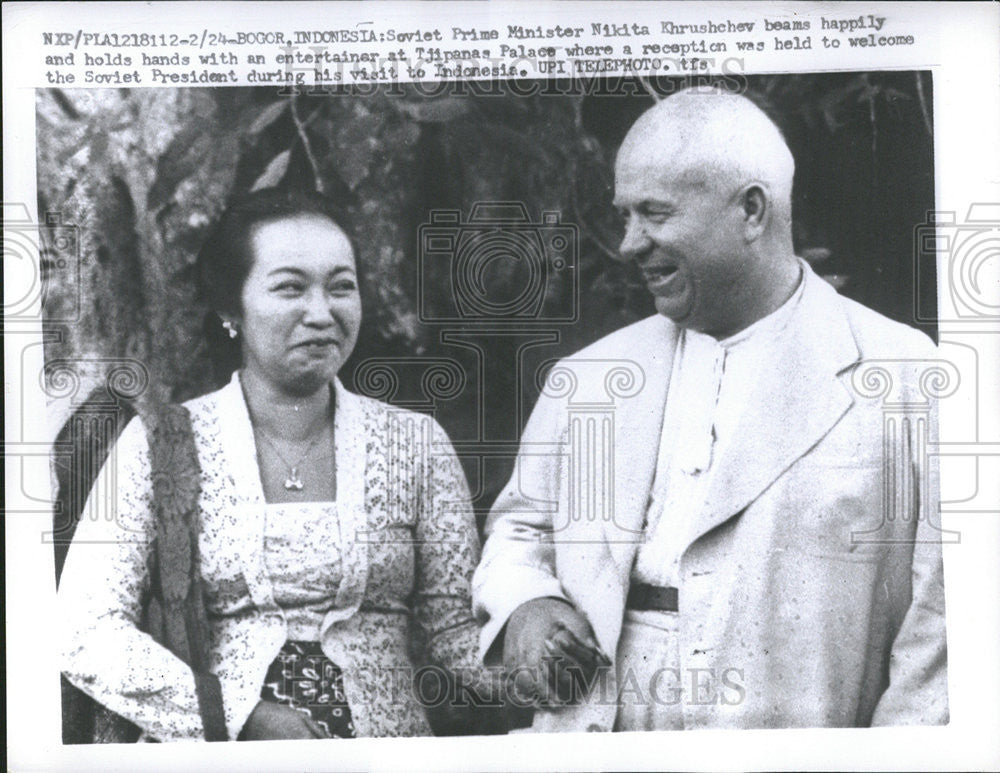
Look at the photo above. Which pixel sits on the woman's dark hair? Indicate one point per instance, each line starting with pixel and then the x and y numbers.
pixel 225 260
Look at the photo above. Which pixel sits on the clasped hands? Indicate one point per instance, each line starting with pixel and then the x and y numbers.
pixel 550 654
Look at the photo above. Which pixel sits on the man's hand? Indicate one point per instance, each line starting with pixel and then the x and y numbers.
pixel 274 722
pixel 550 652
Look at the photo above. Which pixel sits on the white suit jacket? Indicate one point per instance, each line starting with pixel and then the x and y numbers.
pixel 812 572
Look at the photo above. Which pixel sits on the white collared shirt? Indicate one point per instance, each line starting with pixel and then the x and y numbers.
pixel 710 385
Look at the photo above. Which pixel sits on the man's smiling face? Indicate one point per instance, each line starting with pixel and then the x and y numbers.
pixel 685 233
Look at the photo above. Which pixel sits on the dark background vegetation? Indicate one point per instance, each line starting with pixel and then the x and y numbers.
pixel 138 177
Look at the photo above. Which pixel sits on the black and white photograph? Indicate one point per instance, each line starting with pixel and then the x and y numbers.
pixel 500 406
pixel 495 241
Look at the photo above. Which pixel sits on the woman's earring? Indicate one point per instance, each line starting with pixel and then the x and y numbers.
pixel 231 327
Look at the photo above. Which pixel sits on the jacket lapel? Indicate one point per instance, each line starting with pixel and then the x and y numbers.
pixel 352 426
pixel 237 442
pixel 796 401
pixel 638 422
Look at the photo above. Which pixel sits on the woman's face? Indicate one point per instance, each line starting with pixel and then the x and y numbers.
pixel 300 304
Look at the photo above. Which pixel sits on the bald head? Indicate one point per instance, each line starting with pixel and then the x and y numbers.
pixel 703 182
pixel 715 139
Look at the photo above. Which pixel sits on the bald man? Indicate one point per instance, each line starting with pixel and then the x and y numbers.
pixel 736 541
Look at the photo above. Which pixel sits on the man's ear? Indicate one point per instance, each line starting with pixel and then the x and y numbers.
pixel 755 200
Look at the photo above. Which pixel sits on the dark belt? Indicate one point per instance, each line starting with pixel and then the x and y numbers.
pixel 643 597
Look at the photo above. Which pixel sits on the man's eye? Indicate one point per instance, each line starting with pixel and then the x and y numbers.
pixel 656 215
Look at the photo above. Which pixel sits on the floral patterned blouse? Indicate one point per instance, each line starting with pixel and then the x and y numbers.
pixel 401 561
pixel 302 546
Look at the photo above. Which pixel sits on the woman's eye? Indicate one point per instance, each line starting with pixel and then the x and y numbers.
pixel 288 288
pixel 344 286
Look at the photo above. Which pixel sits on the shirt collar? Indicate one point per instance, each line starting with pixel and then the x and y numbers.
pixel 774 322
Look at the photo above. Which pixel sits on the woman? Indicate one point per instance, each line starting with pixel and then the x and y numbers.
pixel 335 532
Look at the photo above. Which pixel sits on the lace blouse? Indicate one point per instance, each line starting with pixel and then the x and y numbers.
pixel 302 555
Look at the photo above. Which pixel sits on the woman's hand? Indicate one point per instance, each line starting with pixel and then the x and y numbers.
pixel 274 722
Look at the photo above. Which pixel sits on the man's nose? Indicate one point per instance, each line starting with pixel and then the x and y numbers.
pixel 635 242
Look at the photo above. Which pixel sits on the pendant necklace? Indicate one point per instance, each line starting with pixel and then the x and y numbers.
pixel 293 482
